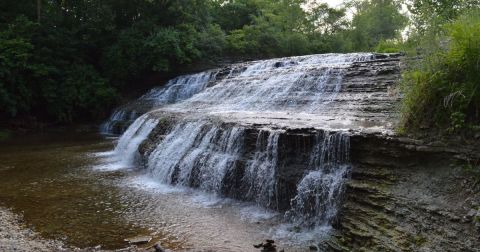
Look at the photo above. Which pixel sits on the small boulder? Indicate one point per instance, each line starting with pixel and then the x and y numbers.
pixel 470 215
pixel 158 248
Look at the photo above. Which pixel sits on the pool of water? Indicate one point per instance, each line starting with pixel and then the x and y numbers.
pixel 59 182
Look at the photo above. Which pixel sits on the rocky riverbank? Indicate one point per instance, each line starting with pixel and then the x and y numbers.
pixel 15 236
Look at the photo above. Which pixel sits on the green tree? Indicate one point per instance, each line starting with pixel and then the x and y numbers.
pixel 430 15
pixel 443 91
pixel 15 55
pixel 234 15
pixel 374 21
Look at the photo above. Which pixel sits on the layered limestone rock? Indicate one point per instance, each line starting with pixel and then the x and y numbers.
pixel 313 137
pixel 401 195
pixel 360 94
pixel 406 195
pixel 321 91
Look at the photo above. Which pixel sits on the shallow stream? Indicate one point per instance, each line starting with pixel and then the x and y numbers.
pixel 62 184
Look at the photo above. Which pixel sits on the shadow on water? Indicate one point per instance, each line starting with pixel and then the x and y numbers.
pixel 49 180
pixel 53 180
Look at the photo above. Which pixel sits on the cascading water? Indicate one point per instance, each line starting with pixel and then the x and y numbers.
pixel 127 147
pixel 260 173
pixel 201 154
pixel 208 150
pixel 196 154
pixel 296 84
pixel 118 116
pixel 180 88
pixel 177 89
pixel 319 191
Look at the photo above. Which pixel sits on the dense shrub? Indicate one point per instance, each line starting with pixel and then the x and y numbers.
pixel 389 46
pixel 443 91
pixel 38 78
pixel 71 62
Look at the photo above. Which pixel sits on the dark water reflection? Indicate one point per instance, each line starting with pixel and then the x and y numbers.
pixel 51 179
pixel 48 178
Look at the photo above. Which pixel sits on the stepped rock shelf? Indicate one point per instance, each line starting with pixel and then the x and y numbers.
pixel 312 137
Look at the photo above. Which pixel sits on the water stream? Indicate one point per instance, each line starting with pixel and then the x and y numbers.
pixel 52 180
pixel 214 158
pixel 177 89
pixel 217 176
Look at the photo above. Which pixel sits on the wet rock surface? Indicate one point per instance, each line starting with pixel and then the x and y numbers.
pixel 267 246
pixel 402 195
pixel 359 95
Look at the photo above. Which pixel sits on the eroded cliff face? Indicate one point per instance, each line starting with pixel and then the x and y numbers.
pixel 406 195
pixel 401 194
pixel 290 160
pixel 313 137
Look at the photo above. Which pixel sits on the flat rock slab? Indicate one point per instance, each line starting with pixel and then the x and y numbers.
pixel 139 239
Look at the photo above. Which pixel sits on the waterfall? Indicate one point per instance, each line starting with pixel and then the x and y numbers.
pixel 295 84
pixel 127 147
pixel 201 154
pixel 196 154
pixel 260 173
pixel 177 89
pixel 208 149
pixel 319 191
pixel 118 116
pixel 180 88
pixel 306 84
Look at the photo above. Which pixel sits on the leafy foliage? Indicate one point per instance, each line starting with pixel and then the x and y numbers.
pixel 388 46
pixel 430 15
pixel 376 21
pixel 4 134
pixel 38 78
pixel 75 60
pixel 445 84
